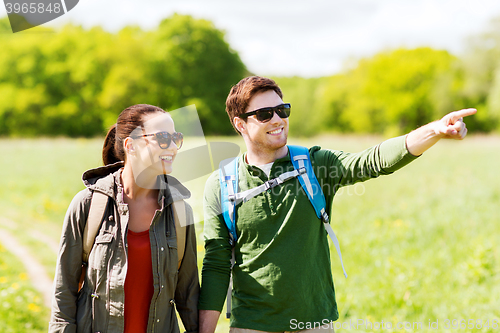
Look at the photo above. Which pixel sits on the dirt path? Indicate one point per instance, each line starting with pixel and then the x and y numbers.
pixel 37 273
pixel 54 246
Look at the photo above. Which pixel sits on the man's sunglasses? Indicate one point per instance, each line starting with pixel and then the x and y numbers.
pixel 265 114
pixel 164 139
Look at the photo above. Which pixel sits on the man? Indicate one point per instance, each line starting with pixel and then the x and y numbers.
pixel 282 274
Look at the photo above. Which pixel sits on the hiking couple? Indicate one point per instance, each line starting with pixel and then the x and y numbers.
pixel 278 243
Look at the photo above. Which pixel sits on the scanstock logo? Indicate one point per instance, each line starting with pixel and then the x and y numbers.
pixel 26 14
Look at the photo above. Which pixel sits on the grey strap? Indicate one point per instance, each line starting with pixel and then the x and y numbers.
pixel 96 213
pixel 230 288
pixel 249 194
pixel 335 241
pixel 230 190
pixel 305 177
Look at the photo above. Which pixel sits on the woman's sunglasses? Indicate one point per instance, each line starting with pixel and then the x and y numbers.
pixel 164 139
pixel 265 114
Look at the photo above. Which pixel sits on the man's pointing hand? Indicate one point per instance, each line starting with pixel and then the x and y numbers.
pixel 452 125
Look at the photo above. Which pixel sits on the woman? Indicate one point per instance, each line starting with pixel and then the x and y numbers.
pixel 133 278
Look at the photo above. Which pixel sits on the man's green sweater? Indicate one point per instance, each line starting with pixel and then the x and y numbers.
pixel 282 272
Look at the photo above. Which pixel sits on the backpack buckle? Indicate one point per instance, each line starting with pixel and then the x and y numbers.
pixel 232 197
pixel 302 171
pixel 271 183
pixel 325 217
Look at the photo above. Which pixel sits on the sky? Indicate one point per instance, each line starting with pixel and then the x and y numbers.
pixel 306 38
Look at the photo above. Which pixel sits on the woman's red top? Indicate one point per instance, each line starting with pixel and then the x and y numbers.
pixel 138 283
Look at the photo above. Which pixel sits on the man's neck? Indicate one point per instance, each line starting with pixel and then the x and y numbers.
pixel 259 157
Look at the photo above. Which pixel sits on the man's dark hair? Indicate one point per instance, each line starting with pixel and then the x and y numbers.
pixel 241 94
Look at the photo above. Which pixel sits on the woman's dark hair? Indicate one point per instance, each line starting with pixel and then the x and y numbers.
pixel 130 119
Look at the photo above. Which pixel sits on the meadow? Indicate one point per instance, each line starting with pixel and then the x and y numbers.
pixel 420 246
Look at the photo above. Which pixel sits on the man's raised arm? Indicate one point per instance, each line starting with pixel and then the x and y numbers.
pixel 451 126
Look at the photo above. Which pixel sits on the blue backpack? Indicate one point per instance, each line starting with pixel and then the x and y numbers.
pixel 230 198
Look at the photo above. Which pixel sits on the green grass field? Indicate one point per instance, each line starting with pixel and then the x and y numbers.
pixel 21 308
pixel 420 246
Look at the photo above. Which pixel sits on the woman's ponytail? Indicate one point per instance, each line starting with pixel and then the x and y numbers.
pixel 108 149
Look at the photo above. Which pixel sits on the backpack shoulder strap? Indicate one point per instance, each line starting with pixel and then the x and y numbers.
pixel 180 219
pixel 301 159
pixel 98 205
pixel 228 178
pixel 96 213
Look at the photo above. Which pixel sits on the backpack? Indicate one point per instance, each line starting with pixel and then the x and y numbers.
pixel 230 198
pixel 98 205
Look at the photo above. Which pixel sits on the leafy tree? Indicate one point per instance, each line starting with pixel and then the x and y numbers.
pixel 305 97
pixel 127 80
pixel 480 79
pixel 194 63
pixel 75 82
pixel 22 97
pixel 5 25
pixel 389 93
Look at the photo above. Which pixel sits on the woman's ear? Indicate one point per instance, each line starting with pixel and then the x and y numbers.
pixel 128 145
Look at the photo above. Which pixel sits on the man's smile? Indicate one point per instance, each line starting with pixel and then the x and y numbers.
pixel 276 131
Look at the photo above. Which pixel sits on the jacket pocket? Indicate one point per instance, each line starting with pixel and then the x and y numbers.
pixel 84 313
pixel 101 251
pixel 172 260
pixel 172 263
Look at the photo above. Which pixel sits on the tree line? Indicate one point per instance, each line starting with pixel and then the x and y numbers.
pixel 74 82
pixel 399 90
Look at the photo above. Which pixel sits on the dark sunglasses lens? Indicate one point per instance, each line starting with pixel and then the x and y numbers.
pixel 265 115
pixel 163 139
pixel 283 111
pixel 178 140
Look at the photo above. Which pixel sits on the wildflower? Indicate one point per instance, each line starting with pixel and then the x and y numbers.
pixel 33 307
